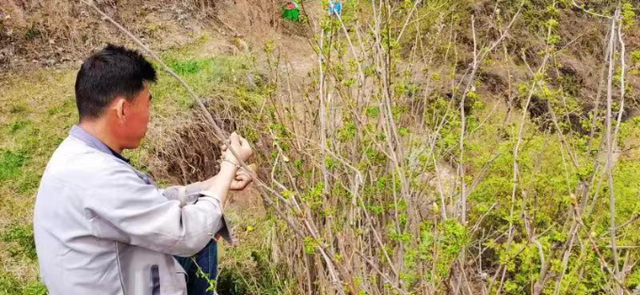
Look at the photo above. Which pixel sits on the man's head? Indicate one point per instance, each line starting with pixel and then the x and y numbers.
pixel 112 90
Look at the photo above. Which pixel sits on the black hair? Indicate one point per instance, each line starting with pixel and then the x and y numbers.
pixel 111 72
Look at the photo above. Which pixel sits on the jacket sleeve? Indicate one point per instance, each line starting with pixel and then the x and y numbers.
pixel 189 195
pixel 186 195
pixel 123 207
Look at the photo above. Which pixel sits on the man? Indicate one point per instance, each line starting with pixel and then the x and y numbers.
pixel 103 227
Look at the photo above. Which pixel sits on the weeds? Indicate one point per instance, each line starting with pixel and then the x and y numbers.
pixel 9 285
pixel 20 239
pixel 10 164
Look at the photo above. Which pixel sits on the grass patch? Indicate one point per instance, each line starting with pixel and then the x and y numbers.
pixel 206 76
pixel 190 66
pixel 17 108
pixel 36 111
pixel 17 126
pixel 20 241
pixel 10 164
pixel 10 285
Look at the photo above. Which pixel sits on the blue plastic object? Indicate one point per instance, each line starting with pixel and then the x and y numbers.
pixel 335 8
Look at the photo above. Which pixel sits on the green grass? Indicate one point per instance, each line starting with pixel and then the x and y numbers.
pixel 29 132
pixel 10 285
pixel 19 238
pixel 10 164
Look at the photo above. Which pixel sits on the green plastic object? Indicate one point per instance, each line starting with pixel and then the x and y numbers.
pixel 291 11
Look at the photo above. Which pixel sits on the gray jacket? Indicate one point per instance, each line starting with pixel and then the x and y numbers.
pixel 102 227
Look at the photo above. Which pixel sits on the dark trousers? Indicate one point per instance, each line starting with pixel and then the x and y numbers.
pixel 207 260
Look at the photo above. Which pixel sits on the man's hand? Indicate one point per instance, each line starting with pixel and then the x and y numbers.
pixel 243 179
pixel 228 175
pixel 240 146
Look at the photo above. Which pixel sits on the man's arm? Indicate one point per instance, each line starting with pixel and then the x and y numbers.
pixel 127 209
pixel 219 185
pixel 189 194
pixel 124 208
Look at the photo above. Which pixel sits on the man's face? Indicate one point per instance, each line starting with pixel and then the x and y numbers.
pixel 137 114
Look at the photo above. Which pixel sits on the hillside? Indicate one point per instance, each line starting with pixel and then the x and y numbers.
pixel 405 147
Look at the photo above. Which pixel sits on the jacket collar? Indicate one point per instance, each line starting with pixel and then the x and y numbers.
pixel 94 142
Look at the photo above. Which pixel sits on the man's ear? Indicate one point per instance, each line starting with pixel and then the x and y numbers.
pixel 119 106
